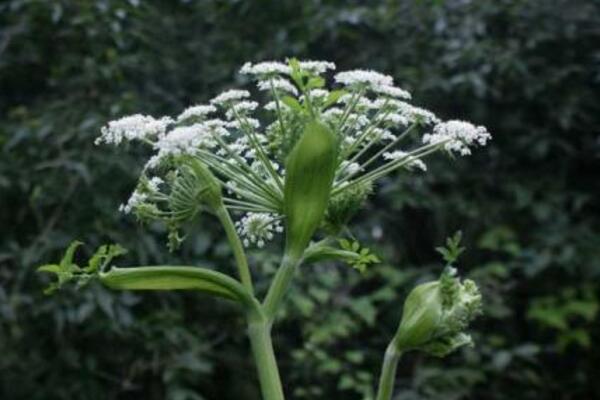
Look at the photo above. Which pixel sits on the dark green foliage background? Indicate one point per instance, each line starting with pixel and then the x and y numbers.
pixel 528 204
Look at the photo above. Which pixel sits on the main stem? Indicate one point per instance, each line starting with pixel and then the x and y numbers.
pixel 388 373
pixel 259 332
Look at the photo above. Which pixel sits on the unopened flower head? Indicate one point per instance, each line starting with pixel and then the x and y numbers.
pixel 437 314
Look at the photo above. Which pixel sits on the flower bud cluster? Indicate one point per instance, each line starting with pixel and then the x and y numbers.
pixel 437 314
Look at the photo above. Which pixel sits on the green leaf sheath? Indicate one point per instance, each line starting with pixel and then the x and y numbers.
pixel 310 170
pixel 177 278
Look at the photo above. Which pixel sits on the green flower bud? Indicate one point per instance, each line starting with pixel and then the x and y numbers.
pixel 344 205
pixel 310 170
pixel 436 314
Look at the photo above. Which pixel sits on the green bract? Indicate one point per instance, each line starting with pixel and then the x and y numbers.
pixel 310 170
pixel 436 314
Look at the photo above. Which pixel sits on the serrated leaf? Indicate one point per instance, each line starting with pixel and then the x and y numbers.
pixel 66 263
pixel 103 257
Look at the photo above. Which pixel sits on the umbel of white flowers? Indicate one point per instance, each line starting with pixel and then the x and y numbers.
pixel 248 142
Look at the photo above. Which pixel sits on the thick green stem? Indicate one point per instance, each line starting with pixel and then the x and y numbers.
pixel 237 247
pixel 388 373
pixel 280 285
pixel 259 332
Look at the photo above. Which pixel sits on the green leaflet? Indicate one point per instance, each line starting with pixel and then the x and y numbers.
pixel 349 252
pixel 310 171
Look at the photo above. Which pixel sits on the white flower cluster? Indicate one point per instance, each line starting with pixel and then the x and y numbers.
pixel 133 127
pixel 270 68
pixel 411 161
pixel 279 84
pixel 392 91
pixel 457 136
pixel 258 228
pixel 365 109
pixel 364 77
pixel 265 68
pixel 134 201
pixel 187 140
pixel 230 96
pixel 200 111
pixel 317 67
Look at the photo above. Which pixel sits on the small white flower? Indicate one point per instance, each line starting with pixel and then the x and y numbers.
pixel 458 136
pixel 154 184
pixel 357 121
pixel 133 127
pixel 412 113
pixel 363 77
pixel 412 162
pixel 395 119
pixel 421 114
pixel 199 111
pixel 382 134
pixel 265 68
pixel 361 103
pixel 134 201
pixel 279 84
pixel 347 168
pixel 185 140
pixel 272 106
pixel 241 108
pixel 230 96
pixel 252 122
pixel 319 93
pixel 317 67
pixel 258 228
pixel 332 114
pixel 392 91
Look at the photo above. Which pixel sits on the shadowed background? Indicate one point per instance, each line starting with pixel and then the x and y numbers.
pixel 527 204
